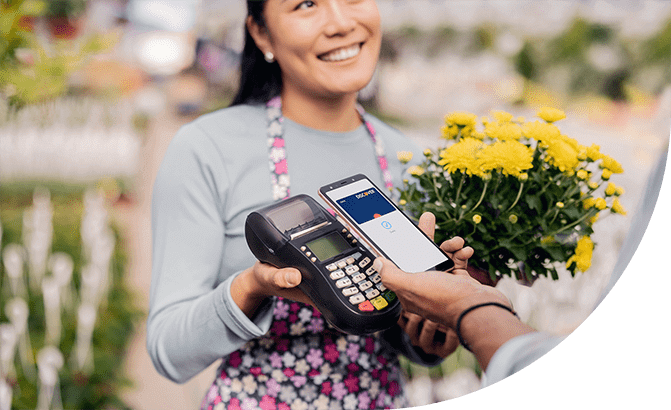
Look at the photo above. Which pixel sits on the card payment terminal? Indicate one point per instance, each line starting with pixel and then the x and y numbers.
pixel 336 269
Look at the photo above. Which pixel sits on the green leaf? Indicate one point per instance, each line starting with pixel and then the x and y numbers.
pixel 534 202
pixel 520 253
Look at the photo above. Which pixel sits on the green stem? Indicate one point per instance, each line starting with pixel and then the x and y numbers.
pixel 569 226
pixel 484 190
pixel 519 194
pixel 456 199
pixel 439 197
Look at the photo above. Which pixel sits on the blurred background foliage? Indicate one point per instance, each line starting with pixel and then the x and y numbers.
pixel 116 319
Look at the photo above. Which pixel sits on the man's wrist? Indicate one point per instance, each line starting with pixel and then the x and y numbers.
pixel 481 297
pixel 472 309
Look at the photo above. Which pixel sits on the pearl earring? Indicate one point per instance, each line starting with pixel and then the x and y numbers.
pixel 269 57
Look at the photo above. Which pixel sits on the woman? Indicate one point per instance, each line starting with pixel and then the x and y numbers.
pixel 295 113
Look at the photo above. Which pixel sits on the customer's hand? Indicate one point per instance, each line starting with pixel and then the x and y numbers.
pixel 437 296
pixel 429 336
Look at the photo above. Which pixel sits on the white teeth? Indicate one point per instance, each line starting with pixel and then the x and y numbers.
pixel 342 53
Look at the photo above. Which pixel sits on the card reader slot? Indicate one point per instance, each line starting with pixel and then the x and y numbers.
pixel 308 230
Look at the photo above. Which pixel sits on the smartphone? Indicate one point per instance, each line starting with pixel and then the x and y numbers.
pixel 382 226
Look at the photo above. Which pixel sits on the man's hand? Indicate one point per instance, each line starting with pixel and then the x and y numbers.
pixel 426 334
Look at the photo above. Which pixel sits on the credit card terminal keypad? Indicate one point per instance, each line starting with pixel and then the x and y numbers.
pixel 355 277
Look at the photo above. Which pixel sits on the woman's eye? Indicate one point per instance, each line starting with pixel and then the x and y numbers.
pixel 304 5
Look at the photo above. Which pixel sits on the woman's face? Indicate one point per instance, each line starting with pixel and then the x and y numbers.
pixel 325 48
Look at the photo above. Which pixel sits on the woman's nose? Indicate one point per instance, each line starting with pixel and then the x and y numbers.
pixel 341 20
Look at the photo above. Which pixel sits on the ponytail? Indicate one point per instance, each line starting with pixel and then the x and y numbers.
pixel 259 80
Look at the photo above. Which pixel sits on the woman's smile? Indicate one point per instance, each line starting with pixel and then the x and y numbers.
pixel 343 53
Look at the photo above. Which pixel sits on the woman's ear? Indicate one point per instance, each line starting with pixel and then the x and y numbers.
pixel 259 34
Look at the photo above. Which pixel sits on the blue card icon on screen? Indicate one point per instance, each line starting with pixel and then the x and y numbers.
pixel 386 225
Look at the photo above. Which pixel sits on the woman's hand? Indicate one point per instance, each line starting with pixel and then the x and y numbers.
pixel 431 337
pixel 255 284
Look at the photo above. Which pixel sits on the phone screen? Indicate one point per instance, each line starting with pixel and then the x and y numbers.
pixel 388 228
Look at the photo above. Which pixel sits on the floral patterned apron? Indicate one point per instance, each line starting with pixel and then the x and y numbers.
pixel 302 362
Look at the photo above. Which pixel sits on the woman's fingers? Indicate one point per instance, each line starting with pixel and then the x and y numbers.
pixel 427 223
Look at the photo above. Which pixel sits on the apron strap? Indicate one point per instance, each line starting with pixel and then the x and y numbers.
pixel 277 154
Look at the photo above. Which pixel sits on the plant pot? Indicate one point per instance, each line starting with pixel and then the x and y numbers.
pixel 27 23
pixel 62 27
pixel 483 277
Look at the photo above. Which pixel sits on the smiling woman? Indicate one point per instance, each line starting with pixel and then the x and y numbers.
pixel 327 52
pixel 296 110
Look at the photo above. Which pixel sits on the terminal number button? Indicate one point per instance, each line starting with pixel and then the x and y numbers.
pixel 370 294
pixel 365 261
pixel 343 282
pixel 337 274
pixel 350 291
pixel 358 298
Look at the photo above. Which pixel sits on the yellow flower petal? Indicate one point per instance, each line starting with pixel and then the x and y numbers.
pixel 550 114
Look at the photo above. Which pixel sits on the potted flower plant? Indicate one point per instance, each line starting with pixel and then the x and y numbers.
pixel 63 17
pixel 521 193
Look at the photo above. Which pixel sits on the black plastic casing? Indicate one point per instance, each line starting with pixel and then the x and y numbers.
pixel 272 246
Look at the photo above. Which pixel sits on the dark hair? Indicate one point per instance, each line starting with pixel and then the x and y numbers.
pixel 259 80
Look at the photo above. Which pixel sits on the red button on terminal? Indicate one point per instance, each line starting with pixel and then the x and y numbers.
pixel 366 306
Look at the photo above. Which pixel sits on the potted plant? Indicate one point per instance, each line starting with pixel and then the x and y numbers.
pixel 521 193
pixel 64 17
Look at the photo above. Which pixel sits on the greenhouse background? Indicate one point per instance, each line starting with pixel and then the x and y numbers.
pixel 92 91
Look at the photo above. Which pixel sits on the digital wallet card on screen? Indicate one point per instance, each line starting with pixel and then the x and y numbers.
pixel 383 226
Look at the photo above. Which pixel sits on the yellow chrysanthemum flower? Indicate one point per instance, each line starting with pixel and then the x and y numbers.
pixel 457 123
pixel 600 204
pixel 404 156
pixel 611 165
pixel 402 202
pixel 477 218
pixel 550 114
pixel 593 184
pixel 593 152
pixel 415 170
pixel 503 131
pixel 510 157
pixel 583 254
pixel 428 153
pixel 562 153
pixel 540 131
pixel 588 203
pixel 593 219
pixel 617 207
pixel 560 204
pixel 606 174
pixel 582 174
pixel 611 188
pixel 461 118
pixel 502 116
pixel 462 157
pixel 513 218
